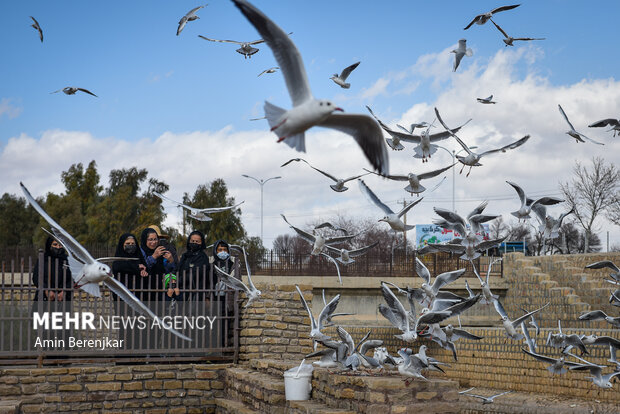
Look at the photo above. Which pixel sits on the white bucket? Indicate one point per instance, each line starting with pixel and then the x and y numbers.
pixel 297 388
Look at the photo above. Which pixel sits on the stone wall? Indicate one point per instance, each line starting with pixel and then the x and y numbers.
pixel 155 389
pixel 276 325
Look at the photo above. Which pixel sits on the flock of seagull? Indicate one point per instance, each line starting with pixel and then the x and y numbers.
pixel 436 303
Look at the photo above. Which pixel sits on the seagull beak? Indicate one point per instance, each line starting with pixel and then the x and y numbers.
pixel 338 109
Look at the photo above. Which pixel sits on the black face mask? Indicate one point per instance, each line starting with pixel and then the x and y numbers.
pixel 56 251
pixel 130 248
pixel 194 247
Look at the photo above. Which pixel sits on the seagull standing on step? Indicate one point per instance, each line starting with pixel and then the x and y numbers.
pixel 341 80
pixel 88 272
pixel 573 133
pixel 290 125
pixel 485 17
pixel 459 52
pixel 391 218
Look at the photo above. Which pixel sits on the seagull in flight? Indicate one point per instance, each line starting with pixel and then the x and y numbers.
pixel 37 27
pixel 237 284
pixel 189 17
pixel 290 125
pixel 472 159
pixel 88 272
pixel 71 90
pixel 488 100
pixel 485 400
pixel 613 123
pixel 413 126
pixel 200 214
pixel 508 39
pixel 526 207
pixel 391 218
pixel 341 79
pixel 414 186
pixel 615 274
pixel 577 135
pixel 459 52
pixel 485 17
pixel 270 70
pixel 246 49
pixel 339 187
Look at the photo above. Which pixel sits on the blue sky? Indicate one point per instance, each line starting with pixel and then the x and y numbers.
pixel 160 94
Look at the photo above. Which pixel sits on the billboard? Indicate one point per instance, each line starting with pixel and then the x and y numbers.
pixel 431 233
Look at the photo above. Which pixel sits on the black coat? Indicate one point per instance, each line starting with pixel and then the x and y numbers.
pixel 56 273
pixel 193 270
pixel 128 271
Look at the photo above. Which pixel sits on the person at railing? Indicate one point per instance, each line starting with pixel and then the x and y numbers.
pixel 194 268
pixel 131 273
pixel 57 281
pixel 158 259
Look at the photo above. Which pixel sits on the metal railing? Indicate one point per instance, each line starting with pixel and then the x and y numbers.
pixel 205 313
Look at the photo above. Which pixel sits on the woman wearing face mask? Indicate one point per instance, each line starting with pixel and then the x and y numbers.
pixel 193 269
pixel 223 301
pixel 54 287
pixel 131 273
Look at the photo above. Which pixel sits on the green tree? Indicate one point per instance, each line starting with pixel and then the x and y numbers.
pixel 18 221
pixel 225 225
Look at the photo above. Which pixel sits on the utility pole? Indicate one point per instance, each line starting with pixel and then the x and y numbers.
pixel 405 232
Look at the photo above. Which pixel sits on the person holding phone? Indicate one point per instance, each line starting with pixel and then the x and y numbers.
pixel 159 261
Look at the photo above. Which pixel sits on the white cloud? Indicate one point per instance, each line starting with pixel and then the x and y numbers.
pixel 7 108
pixel 527 104
pixel 378 88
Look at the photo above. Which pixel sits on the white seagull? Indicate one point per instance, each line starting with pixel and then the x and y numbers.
pixel 346 255
pixel 200 214
pixel 237 284
pixel 577 135
pixel 599 315
pixel 485 17
pixel 37 27
pixel 189 17
pixel 524 211
pixel 603 381
pixel 472 159
pixel 487 101
pixel 339 187
pixel 459 52
pixel 317 240
pixel 613 123
pixel 317 324
pixel 485 400
pixel 270 70
pixel 422 124
pixel 391 218
pixel 71 90
pixel 508 39
pixel 414 186
pixel 307 111
pixel 247 49
pixel 510 326
pixel 615 274
pixel 341 80
pixel 488 296
pixel 88 272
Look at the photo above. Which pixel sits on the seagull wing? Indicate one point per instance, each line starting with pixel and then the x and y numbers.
pixel 519 191
pixel 472 22
pixel 518 321
pixel 321 171
pixel 593 316
pixel 355 177
pixel 328 310
pixel 510 146
pixel 422 271
pixel 565 117
pixel 304 235
pixel 395 306
pixel 194 10
pixel 446 278
pixel 368 193
pixel 460 333
pixel 461 143
pixel 220 41
pixel 367 134
pixel 346 338
pixel 503 32
pixel 331 259
pixel 603 264
pixel 163 197
pixel 409 207
pixel 87 91
pixel 231 281
pixel 75 248
pixel 284 50
pixel 37 26
pixel 135 303
pixel 347 71
pixel 589 139
pixel 390 177
pixel 504 8
pixel 362 250
pixel 499 308
pixel 451 217
pixel 219 209
pixel 396 321
pixel 313 323
pixel 605 122
pixel 434 173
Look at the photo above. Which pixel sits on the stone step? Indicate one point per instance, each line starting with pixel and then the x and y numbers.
pixel 258 390
pixel 313 407
pixel 226 406
pixel 10 407
pixel 275 367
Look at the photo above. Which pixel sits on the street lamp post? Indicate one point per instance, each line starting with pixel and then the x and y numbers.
pixel 261 182
pixel 453 155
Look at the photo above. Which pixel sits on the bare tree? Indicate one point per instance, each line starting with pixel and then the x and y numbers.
pixel 613 211
pixel 591 192
pixel 497 228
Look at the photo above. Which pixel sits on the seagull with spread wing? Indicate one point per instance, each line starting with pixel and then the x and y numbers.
pixel 485 17
pixel 524 211
pixel 472 159
pixel 414 186
pixel 237 284
pixel 391 218
pixel 200 214
pixel 613 123
pixel 339 187
pixel 290 125
pixel 346 255
pixel 341 80
pixel 508 40
pixel 459 52
pixel 247 49
pixel 316 324
pixel 615 274
pixel 190 16
pixel 88 272
pixel 487 101
pixel 71 90
pixel 511 326
pixel 579 137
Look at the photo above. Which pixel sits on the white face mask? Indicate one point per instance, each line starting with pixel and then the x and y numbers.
pixel 223 255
